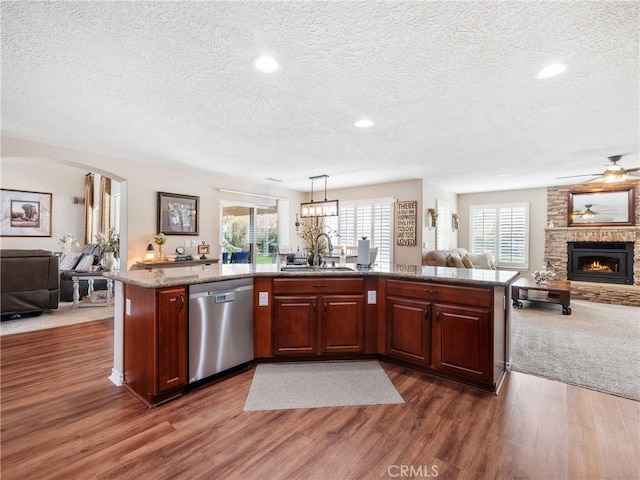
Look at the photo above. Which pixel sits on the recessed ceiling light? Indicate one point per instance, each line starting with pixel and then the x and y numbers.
pixel 505 175
pixel 551 70
pixel 364 123
pixel 265 64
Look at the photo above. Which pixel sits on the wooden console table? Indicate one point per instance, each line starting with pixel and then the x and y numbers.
pixel 557 291
pixel 181 263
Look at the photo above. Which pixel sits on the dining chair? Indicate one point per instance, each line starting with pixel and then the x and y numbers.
pixel 240 257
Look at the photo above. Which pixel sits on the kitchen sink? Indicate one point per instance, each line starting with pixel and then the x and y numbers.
pixel 305 268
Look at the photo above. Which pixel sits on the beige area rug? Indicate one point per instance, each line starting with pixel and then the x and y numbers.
pixel 280 386
pixel 597 346
pixel 63 315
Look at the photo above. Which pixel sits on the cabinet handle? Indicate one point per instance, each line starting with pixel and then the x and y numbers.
pixel 433 292
pixel 313 309
pixel 426 314
pixel 181 302
pixel 319 285
pixel 325 309
pixel 438 316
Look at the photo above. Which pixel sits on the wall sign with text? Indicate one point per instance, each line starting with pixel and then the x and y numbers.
pixel 406 219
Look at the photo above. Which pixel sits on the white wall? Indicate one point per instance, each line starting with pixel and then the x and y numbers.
pixel 537 198
pixel 62 182
pixel 34 166
pixel 431 192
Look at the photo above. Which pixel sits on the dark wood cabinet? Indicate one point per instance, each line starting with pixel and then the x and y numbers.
pixel 342 323
pixel 155 342
pixel 172 338
pixel 295 325
pixel 451 330
pixel 318 316
pixel 409 330
pixel 462 341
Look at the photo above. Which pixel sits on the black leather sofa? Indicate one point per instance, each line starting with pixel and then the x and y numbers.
pixel 29 282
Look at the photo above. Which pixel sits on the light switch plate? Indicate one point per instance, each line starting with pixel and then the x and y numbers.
pixel 187 243
pixel 127 306
pixel 371 297
pixel 263 299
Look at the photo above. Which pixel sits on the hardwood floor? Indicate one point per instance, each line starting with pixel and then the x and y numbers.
pixel 62 418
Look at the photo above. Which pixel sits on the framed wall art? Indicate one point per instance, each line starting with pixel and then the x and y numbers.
pixel 406 218
pixel 25 214
pixel 178 214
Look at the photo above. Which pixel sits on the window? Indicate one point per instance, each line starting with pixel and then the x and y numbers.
pixel 247 227
pixel 366 218
pixel 503 231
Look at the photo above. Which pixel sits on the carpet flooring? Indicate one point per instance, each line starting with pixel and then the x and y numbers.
pixel 597 346
pixel 63 315
pixel 281 386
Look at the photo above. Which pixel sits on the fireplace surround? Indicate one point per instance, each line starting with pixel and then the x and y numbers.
pixel 601 262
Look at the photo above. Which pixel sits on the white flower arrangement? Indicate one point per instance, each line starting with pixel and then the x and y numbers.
pixel 544 275
pixel 67 242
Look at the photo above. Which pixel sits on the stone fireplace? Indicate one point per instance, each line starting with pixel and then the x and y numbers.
pixel 601 262
pixel 615 248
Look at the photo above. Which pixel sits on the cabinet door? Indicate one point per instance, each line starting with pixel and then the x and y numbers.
pixel 409 330
pixel 342 323
pixel 172 339
pixel 463 341
pixel 295 325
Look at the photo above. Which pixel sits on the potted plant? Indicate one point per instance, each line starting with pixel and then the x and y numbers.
pixel 110 244
pixel 160 239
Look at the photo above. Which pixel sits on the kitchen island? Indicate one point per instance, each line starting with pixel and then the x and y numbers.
pixel 449 322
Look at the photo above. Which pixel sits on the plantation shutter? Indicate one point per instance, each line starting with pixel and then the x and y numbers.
pixel 365 218
pixel 502 231
pixel 512 237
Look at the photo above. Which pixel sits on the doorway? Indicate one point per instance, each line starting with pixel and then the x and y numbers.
pixel 249 228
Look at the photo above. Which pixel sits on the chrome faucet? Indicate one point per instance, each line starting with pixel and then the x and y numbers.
pixel 316 259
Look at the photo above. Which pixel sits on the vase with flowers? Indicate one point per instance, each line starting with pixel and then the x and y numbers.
pixel 110 244
pixel 309 233
pixel 67 242
pixel 160 239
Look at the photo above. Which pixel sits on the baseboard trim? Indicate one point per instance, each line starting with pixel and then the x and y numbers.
pixel 116 377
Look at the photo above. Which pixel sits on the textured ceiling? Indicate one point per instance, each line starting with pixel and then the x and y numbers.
pixel 450 85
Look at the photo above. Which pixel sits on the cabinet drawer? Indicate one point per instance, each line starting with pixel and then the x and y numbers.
pixel 317 285
pixel 458 295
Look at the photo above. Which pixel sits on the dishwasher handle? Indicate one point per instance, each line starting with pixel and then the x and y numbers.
pixel 221 295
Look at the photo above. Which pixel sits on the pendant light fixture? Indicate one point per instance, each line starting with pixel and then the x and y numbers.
pixel 326 208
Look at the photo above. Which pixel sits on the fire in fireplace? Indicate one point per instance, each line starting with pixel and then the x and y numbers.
pixel 602 262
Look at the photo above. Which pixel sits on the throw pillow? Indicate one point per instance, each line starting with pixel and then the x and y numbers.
pixel 481 260
pixel 85 263
pixel 69 261
pixel 467 263
pixel 454 261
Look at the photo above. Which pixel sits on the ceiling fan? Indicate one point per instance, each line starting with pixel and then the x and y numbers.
pixel 588 213
pixel 612 172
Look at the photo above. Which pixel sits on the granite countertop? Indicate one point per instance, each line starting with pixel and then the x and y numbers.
pixel 177 276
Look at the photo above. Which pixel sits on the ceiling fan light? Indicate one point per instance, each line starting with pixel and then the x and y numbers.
pixel 614 176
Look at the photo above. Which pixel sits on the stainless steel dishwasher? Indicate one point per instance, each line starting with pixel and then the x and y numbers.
pixel 220 326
